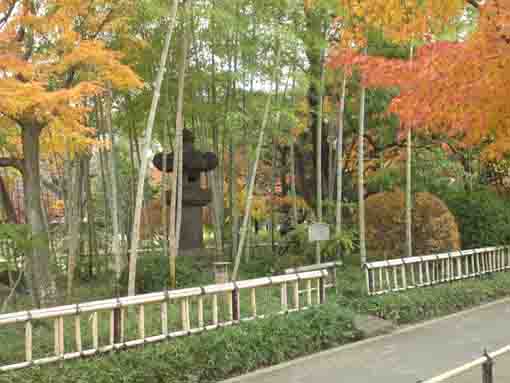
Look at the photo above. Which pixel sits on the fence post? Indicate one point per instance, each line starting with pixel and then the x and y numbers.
pixel 487 369
pixel 116 325
pixel 236 307
pixel 322 295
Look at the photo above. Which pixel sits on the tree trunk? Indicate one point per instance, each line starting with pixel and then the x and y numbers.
pixel 135 236
pixel 6 203
pixel 39 270
pixel 361 181
pixel 293 182
pixel 340 156
pixel 73 217
pixel 177 178
pixel 91 224
pixel 114 198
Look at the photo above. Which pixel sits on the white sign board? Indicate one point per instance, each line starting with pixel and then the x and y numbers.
pixel 318 232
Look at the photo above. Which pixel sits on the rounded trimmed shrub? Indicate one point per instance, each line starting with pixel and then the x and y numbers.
pixel 434 226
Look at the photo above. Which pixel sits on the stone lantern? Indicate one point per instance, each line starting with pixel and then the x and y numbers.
pixel 194 198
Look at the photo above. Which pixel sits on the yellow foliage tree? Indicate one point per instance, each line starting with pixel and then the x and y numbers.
pixel 54 58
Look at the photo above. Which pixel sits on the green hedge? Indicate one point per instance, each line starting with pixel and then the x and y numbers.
pixel 483 217
pixel 430 302
pixel 208 357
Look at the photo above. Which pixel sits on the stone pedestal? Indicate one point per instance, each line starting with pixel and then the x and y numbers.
pixel 192 232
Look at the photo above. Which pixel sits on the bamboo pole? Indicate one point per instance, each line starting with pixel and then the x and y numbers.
pixel 215 308
pixel 319 155
pixel 200 312
pixel 296 294
pixel 309 292
pixel 249 200
pixel 28 341
pixel 77 333
pixel 340 157
pixel 95 331
pixel 146 147
pixel 361 182
pixel 164 318
pixel 116 248
pixel 177 179
pixel 112 327
pixel 253 301
pixel 283 296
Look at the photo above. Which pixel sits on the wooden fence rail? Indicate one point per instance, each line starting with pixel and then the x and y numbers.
pixel 111 314
pixel 486 362
pixel 408 273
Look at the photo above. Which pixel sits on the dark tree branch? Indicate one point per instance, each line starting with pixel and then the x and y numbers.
pixel 474 3
pixel 8 14
pixel 11 163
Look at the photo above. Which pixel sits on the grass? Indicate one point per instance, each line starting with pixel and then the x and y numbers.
pixel 419 304
pixel 211 356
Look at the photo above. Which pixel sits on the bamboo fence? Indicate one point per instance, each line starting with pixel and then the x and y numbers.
pixel 408 273
pixel 106 328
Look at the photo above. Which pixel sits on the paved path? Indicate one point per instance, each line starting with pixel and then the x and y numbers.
pixel 406 356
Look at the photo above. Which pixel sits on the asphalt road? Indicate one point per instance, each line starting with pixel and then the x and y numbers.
pixel 408 355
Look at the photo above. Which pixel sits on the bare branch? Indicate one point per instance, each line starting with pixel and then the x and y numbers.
pixel 474 3
pixel 13 290
pixel 8 14
pixel 11 163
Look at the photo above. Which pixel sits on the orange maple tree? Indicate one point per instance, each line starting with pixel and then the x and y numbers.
pixel 54 58
pixel 460 88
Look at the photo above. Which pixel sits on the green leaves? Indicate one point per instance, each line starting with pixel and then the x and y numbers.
pixel 210 357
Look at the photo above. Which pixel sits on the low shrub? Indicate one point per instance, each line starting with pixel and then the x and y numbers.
pixel 211 356
pixel 483 217
pixel 426 303
pixel 152 272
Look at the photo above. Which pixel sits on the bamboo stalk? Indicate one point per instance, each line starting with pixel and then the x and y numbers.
pixel 61 344
pixel 308 292
pixel 56 337
pixel 253 301
pixel 251 187
pixel 28 341
pixel 112 327
pixel 296 295
pixel 141 322
pixel 77 333
pixel 164 318
pixel 144 163
pixel 200 312
pixel 367 277
pixel 95 331
pixel 184 321
pixel 230 306
pixel 215 308
pixel 340 156
pixel 283 296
